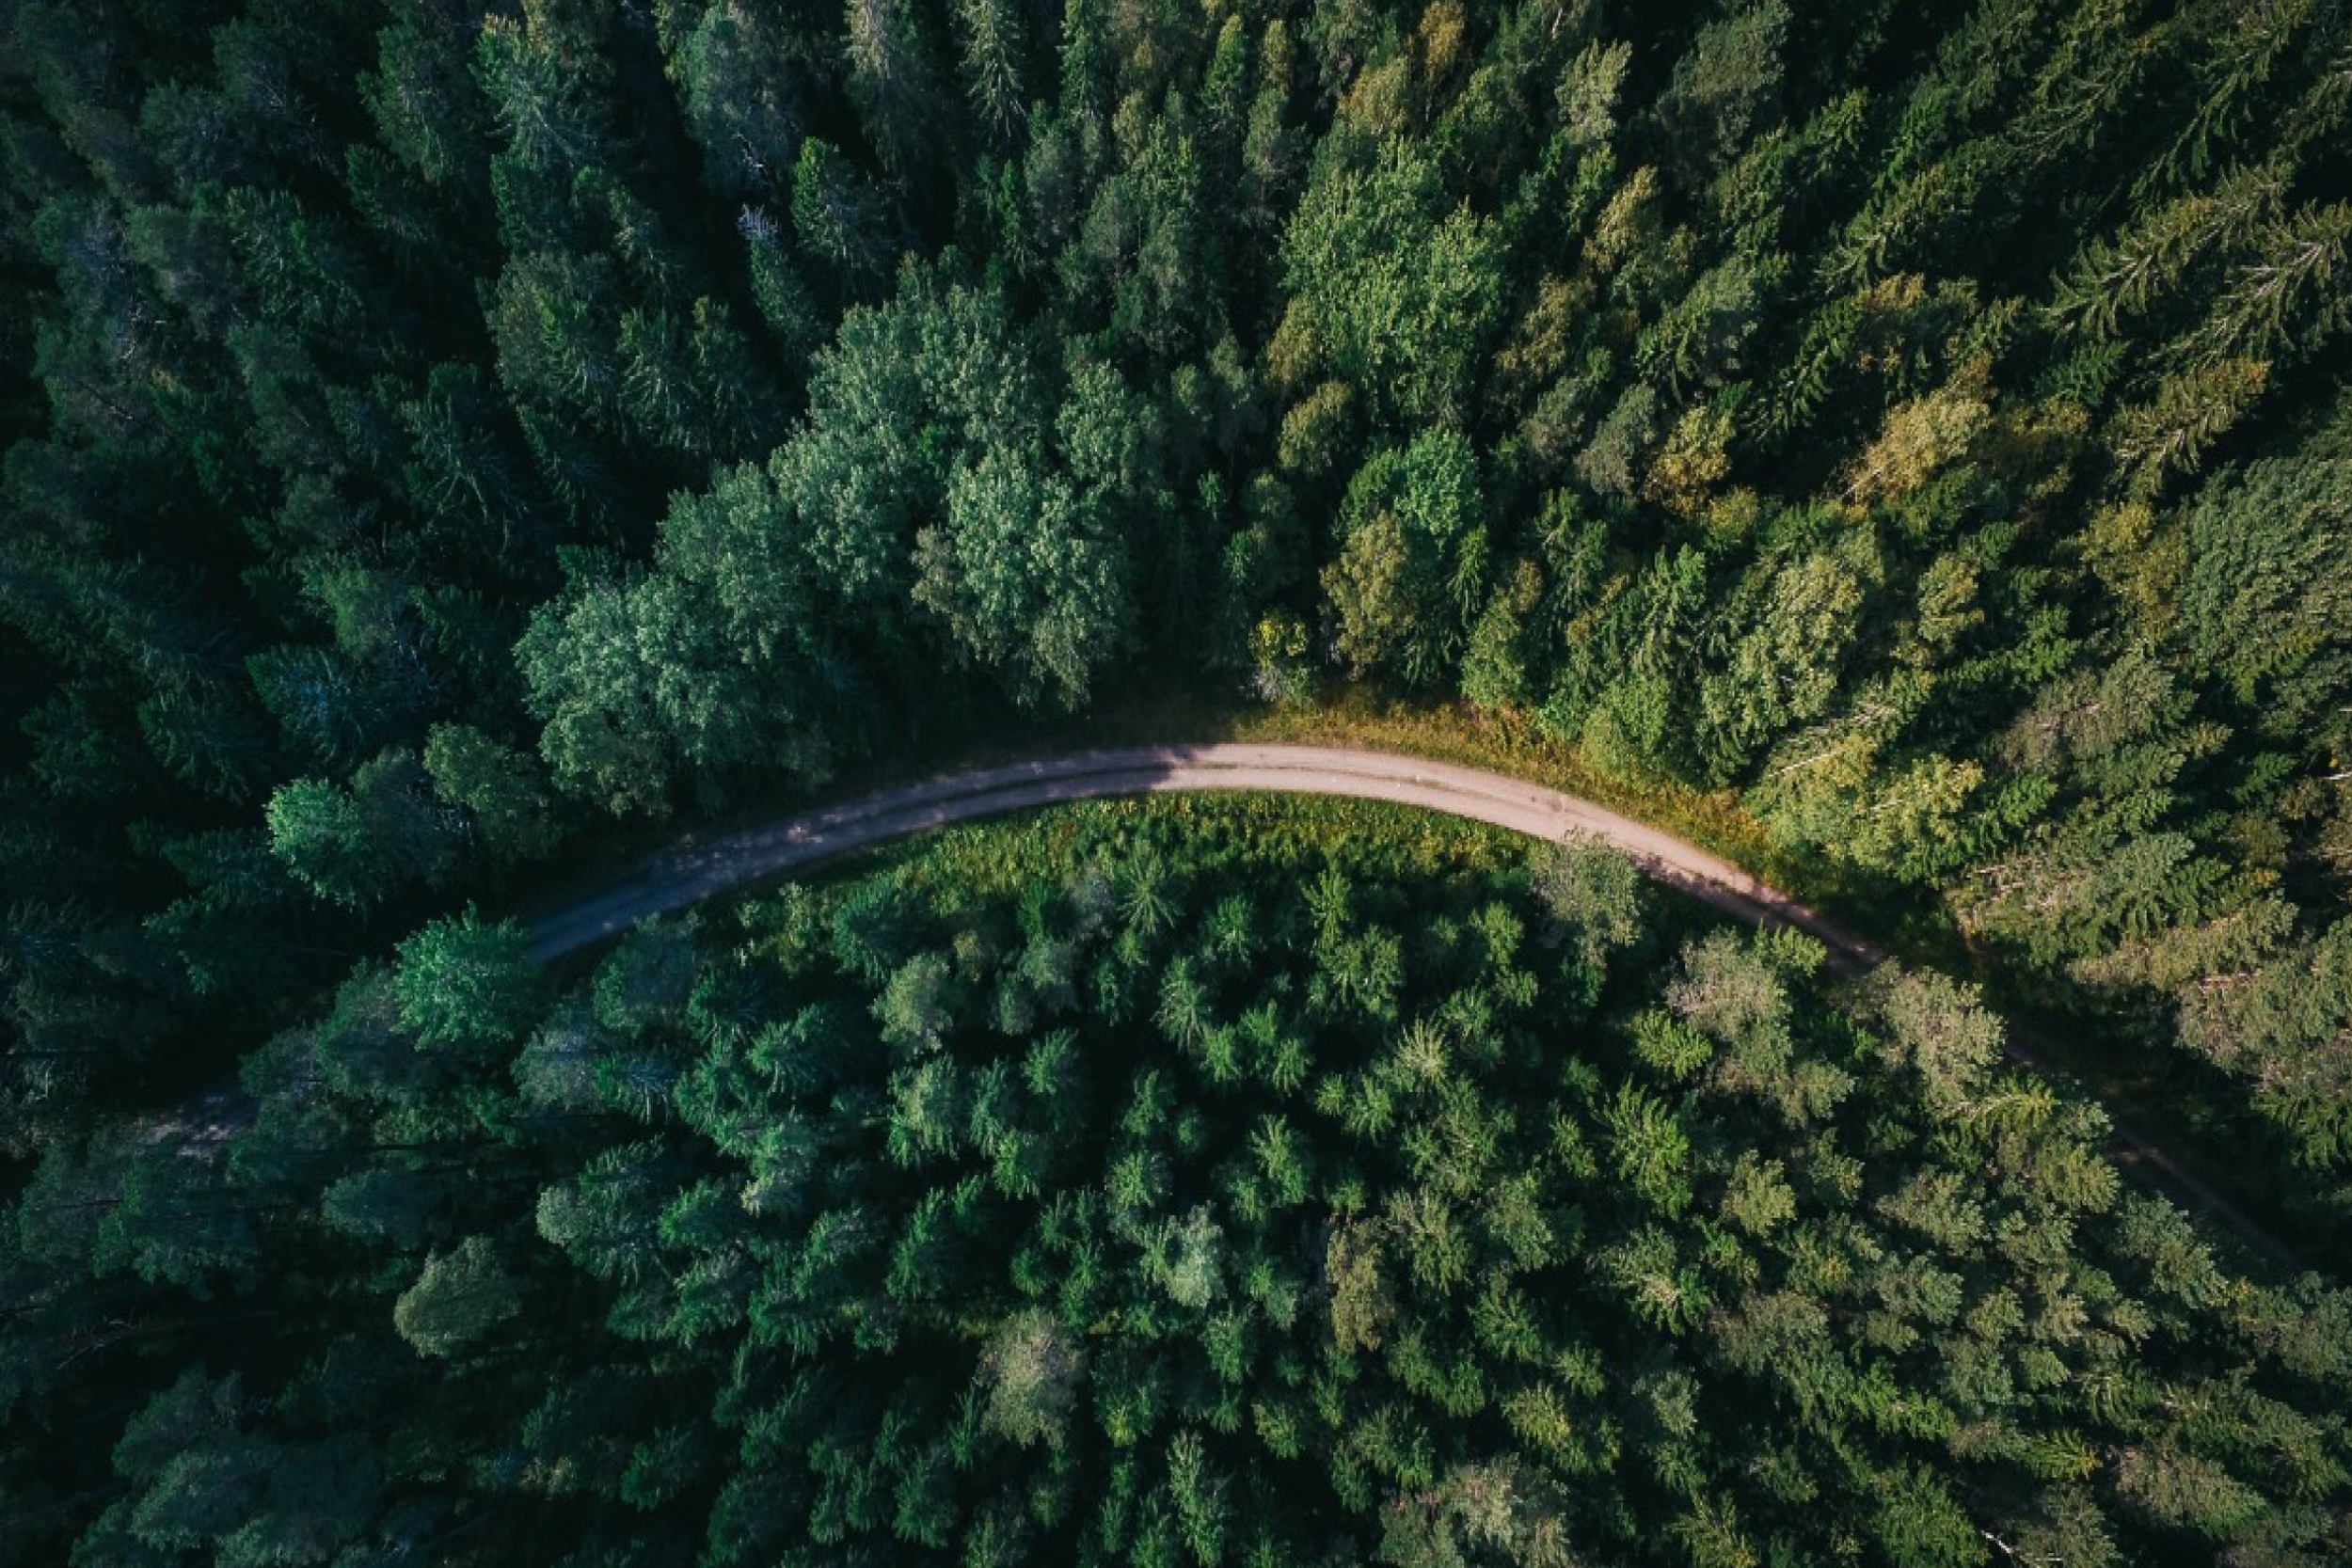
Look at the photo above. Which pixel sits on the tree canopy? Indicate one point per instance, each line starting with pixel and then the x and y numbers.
pixel 438 441
pixel 1234 1182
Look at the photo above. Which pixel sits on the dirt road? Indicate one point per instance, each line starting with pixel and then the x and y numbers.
pixel 694 870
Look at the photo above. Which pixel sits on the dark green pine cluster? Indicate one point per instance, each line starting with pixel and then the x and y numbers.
pixel 1181 1197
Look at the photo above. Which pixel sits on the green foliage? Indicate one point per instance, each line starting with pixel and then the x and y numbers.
pixel 1024 580
pixel 1596 893
pixel 1419 1240
pixel 1393 287
pixel 465 986
pixel 1413 564
pixel 1032 1376
pixel 429 435
pixel 460 1297
pixel 504 792
pixel 1898 382
pixel 358 845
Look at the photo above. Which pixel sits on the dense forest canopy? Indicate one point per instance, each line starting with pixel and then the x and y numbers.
pixel 1182 1188
pixel 436 432
pixel 436 427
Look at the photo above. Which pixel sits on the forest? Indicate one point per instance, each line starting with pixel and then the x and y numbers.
pixel 448 443
pixel 1175 1189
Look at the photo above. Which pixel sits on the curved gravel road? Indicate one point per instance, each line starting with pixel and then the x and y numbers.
pixel 694 870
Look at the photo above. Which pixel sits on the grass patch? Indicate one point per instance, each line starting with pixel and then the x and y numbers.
pixel 1196 834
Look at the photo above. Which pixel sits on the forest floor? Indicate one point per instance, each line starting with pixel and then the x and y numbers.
pixel 698 865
